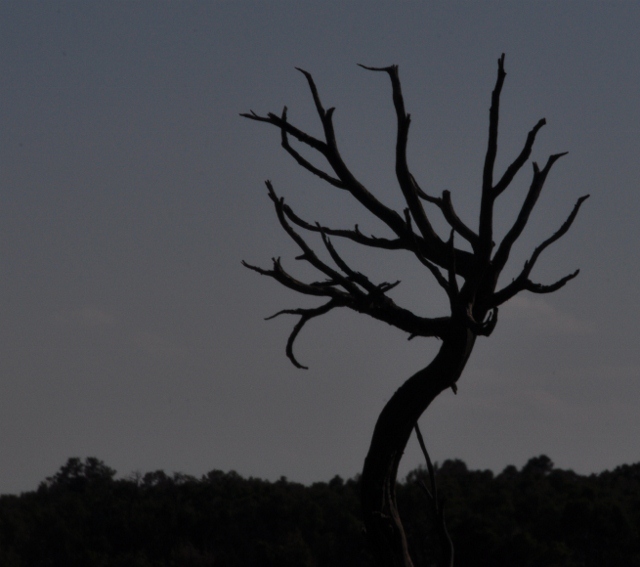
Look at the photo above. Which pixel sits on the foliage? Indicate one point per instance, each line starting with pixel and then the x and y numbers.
pixel 539 515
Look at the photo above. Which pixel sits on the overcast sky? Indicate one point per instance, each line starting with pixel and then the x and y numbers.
pixel 130 190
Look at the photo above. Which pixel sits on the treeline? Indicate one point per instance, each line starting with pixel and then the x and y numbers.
pixel 537 516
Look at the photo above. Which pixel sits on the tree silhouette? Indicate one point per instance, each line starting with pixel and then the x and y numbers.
pixel 469 277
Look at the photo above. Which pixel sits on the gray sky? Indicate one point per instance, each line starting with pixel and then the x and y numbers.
pixel 131 189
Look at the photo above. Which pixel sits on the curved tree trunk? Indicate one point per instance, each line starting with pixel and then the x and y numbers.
pixel 390 437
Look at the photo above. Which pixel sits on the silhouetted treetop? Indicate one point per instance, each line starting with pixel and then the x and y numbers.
pixel 532 516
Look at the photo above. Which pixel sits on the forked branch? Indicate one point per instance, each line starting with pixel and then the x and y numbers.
pixel 445 205
pixel 473 302
pixel 344 286
pixel 354 235
pixel 302 161
pixel 406 181
pixel 522 282
pixel 305 316
pixel 539 177
pixel 429 243
pixel 329 149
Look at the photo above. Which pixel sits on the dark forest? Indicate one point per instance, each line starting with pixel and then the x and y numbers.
pixel 535 516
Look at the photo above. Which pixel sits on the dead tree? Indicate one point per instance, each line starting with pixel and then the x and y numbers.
pixel 469 277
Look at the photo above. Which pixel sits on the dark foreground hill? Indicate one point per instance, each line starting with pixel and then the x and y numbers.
pixel 537 516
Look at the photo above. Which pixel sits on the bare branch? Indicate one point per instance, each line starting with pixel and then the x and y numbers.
pixel 445 205
pixel 302 161
pixel 410 242
pixel 432 248
pixel 486 204
pixel 326 116
pixel 455 222
pixel 308 254
pixel 525 284
pixel 432 495
pixel 540 288
pixel 444 283
pixel 357 277
pixel 566 225
pixel 305 316
pixel 473 303
pixel 539 177
pixel 314 93
pixel 348 180
pixel 290 129
pixel 522 282
pixel 424 195
pixel 511 171
pixel 494 113
pixel 405 179
pixel 345 179
pixel 372 301
pixel 278 273
pixel 375 304
pixel 355 235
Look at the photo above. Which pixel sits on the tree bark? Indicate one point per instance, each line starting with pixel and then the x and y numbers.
pixel 391 434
